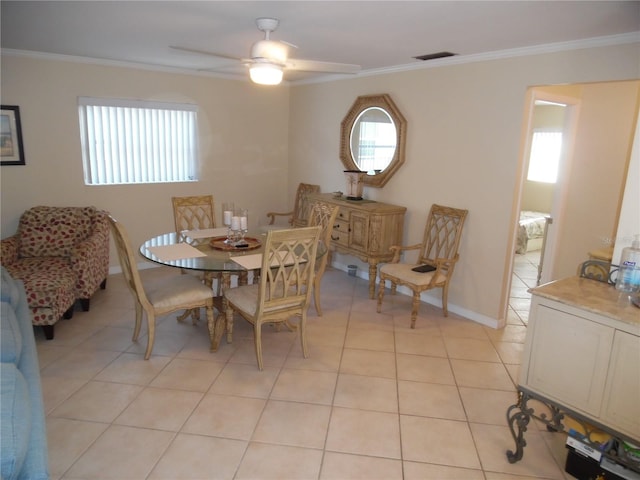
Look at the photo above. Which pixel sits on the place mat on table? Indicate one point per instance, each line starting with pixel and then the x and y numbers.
pixel 250 262
pixel 254 261
pixel 178 251
pixel 205 233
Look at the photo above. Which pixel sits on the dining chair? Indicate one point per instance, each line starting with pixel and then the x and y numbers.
pixel 324 215
pixel 174 293
pixel 284 289
pixel 193 213
pixel 197 213
pixel 298 216
pixel 438 254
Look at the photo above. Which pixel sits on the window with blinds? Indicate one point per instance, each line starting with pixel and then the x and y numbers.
pixel 544 159
pixel 130 141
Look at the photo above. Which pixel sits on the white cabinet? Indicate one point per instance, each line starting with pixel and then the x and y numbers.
pixel 621 402
pixel 583 352
pixel 569 357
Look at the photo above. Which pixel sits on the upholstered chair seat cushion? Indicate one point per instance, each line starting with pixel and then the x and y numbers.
pixel 245 299
pixel 50 284
pixel 404 271
pixel 183 290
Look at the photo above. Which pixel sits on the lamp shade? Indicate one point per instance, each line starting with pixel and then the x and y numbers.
pixel 265 74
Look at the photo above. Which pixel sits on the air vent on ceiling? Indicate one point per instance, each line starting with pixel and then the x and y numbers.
pixel 433 56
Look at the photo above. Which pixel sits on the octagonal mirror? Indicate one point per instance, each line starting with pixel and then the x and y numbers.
pixel 372 138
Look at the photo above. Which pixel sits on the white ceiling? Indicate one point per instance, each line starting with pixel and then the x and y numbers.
pixel 378 35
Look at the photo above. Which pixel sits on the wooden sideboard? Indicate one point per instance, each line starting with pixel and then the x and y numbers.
pixel 365 229
pixel 581 359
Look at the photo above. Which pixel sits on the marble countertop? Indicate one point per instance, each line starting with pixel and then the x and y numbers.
pixel 592 295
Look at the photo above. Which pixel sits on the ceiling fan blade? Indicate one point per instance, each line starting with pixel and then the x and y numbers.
pixel 315 66
pixel 204 52
pixel 230 68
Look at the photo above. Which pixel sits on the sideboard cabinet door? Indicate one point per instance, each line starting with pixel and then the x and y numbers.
pixel 571 358
pixel 359 231
pixel 621 407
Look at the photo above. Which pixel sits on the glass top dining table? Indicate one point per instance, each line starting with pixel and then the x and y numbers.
pixel 208 259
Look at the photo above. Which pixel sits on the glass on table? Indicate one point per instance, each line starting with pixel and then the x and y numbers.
pixel 227 217
pixel 244 222
pixel 239 226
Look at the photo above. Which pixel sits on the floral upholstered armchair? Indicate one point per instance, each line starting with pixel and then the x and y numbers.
pixel 62 255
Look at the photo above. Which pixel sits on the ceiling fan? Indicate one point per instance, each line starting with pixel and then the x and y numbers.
pixel 270 58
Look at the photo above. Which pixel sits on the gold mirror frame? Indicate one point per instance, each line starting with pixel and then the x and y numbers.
pixel 362 103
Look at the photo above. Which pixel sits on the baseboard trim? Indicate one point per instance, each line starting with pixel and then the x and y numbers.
pixel 430 299
pixel 361 273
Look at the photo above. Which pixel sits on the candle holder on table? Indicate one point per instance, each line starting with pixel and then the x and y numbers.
pixel 227 217
pixel 244 224
pixel 239 227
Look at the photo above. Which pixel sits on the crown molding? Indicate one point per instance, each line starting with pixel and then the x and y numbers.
pixel 595 42
pixel 611 40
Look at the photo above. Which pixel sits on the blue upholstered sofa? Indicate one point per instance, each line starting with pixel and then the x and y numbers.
pixel 23 440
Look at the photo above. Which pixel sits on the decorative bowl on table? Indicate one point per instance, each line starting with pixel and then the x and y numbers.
pixel 248 243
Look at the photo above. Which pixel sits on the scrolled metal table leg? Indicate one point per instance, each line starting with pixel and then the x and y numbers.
pixel 521 418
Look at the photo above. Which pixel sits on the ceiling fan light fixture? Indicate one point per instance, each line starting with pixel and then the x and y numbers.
pixel 271 50
pixel 265 74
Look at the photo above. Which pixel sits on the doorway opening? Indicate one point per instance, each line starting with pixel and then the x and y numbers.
pixel 599 128
pixel 547 146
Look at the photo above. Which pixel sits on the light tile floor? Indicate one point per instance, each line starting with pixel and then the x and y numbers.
pixel 375 399
pixel 525 275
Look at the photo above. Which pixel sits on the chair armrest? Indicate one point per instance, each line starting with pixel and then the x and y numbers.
pixel 272 216
pixel 398 249
pixel 9 250
pixel 90 258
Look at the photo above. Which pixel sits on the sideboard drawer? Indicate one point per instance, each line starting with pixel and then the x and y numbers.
pixel 340 234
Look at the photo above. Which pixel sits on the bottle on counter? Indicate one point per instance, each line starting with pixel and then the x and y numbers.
pixel 629 273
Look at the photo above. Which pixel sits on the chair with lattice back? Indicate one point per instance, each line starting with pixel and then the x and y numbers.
pixel 155 299
pixel 323 214
pixel 438 254
pixel 284 289
pixel 193 213
pixel 299 215
pixel 197 213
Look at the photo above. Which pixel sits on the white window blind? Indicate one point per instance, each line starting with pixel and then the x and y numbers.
pixel 376 145
pixel 130 141
pixel 544 159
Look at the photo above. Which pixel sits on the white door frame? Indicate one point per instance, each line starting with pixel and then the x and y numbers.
pixel 560 192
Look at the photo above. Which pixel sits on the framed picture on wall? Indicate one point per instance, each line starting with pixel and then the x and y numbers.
pixel 11 150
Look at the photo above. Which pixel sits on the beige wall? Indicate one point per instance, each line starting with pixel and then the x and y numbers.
pixel 595 179
pixel 537 196
pixel 629 222
pixel 243 143
pixel 463 141
pixel 464 125
pixel 586 199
